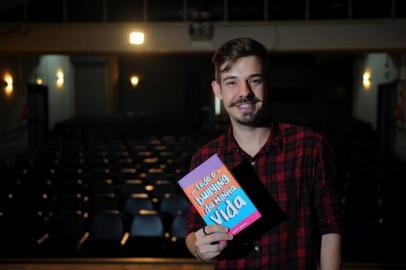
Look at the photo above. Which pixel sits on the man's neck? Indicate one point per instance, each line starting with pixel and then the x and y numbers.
pixel 251 139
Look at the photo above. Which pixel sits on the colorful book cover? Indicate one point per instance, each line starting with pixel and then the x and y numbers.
pixel 218 197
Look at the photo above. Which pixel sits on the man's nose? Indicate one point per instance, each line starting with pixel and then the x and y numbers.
pixel 245 90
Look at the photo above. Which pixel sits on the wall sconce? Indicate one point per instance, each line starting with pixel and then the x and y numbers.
pixel 137 38
pixel 366 80
pixel 217 106
pixel 8 87
pixel 134 80
pixel 59 79
pixel 39 81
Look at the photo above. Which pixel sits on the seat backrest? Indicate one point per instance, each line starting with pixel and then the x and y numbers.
pixel 127 174
pixel 134 204
pixel 102 186
pixel 69 202
pixel 132 188
pixel 164 187
pixel 179 226
pixel 66 226
pixel 174 204
pixel 147 226
pixel 106 227
pixel 104 202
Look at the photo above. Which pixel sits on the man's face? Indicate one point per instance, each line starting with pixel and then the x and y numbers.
pixel 242 90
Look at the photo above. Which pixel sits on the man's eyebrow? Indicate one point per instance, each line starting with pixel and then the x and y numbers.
pixel 229 78
pixel 250 76
pixel 256 75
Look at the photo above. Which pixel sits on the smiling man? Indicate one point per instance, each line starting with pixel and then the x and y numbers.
pixel 242 89
pixel 293 163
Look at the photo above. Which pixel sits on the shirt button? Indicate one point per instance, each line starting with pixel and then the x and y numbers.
pixel 257 248
pixel 253 163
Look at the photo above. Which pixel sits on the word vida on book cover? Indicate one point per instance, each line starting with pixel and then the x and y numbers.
pixel 218 197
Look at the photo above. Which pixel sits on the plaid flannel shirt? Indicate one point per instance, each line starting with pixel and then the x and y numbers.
pixel 295 166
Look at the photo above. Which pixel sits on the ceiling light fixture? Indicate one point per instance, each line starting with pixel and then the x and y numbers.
pixel 137 38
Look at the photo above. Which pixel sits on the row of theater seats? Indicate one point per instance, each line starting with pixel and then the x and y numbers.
pixel 85 192
pixel 96 198
pixel 65 234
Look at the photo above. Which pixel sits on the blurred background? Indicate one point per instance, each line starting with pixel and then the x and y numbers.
pixel 102 104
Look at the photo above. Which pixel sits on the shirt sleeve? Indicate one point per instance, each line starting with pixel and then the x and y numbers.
pixel 326 192
pixel 195 222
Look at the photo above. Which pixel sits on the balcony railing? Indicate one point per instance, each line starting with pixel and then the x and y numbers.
pixel 197 10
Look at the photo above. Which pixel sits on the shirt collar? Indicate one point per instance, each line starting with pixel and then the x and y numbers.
pixel 274 142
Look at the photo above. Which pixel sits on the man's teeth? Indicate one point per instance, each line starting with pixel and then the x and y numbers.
pixel 245 105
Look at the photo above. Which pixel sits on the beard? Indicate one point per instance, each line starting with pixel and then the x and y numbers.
pixel 248 118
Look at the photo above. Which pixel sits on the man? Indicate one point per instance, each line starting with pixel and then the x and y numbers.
pixel 292 162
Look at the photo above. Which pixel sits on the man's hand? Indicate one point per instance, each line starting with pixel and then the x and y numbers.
pixel 330 254
pixel 208 242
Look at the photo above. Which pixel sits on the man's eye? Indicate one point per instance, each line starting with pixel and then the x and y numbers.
pixel 230 83
pixel 255 81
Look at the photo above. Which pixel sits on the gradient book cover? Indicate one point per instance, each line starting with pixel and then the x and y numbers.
pixel 218 197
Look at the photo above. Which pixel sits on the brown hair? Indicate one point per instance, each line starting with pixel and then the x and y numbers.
pixel 235 49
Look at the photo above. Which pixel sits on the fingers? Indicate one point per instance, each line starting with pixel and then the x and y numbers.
pixel 215 236
pixel 211 229
pixel 211 251
pixel 216 229
pixel 211 240
pixel 207 251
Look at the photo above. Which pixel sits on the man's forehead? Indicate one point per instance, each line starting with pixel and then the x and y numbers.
pixel 228 65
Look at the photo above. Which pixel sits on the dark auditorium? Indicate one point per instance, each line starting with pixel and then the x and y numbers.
pixel 106 105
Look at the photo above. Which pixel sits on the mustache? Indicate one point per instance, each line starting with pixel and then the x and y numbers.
pixel 243 100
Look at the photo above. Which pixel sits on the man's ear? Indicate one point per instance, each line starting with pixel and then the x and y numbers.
pixel 216 89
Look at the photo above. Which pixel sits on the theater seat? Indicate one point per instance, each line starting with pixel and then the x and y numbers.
pixel 132 187
pixel 179 227
pixel 66 231
pixel 101 186
pixel 146 235
pixel 163 188
pixel 174 204
pixel 136 203
pixel 20 229
pixel 147 225
pixel 105 202
pixel 105 235
pixel 176 246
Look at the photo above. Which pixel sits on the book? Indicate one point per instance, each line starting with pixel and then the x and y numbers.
pixel 218 197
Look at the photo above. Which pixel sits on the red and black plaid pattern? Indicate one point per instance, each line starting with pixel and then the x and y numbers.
pixel 296 168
